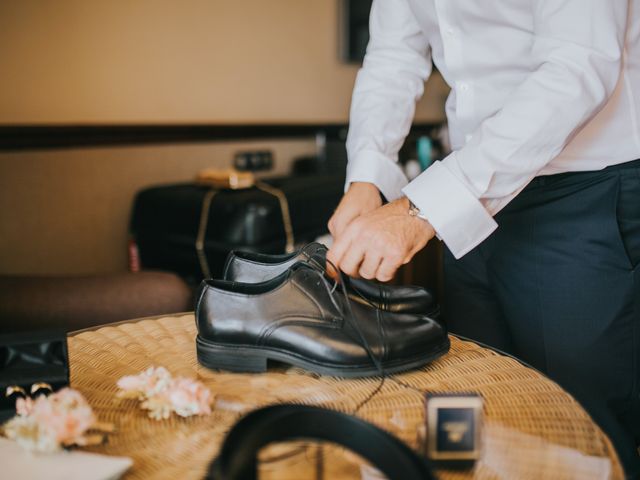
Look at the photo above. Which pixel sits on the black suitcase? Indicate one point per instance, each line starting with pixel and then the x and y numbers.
pixel 190 229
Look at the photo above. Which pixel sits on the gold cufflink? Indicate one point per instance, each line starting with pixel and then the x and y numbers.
pixel 15 390
pixel 41 388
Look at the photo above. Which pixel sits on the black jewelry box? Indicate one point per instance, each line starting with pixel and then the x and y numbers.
pixel 454 424
pixel 30 358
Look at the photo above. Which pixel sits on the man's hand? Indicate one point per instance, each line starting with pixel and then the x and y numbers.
pixel 377 243
pixel 360 198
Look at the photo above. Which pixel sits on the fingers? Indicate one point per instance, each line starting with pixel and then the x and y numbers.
pixel 359 199
pixel 370 264
pixel 360 252
pixel 357 261
pixel 346 212
pixel 337 252
pixel 387 269
pixel 377 243
pixel 340 220
pixel 352 259
pixel 355 253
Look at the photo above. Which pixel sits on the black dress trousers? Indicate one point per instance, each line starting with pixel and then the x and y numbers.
pixel 558 286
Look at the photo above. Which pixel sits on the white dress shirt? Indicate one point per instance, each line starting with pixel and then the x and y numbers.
pixel 538 87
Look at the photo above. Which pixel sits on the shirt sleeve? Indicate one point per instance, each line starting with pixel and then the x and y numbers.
pixel 579 44
pixel 387 87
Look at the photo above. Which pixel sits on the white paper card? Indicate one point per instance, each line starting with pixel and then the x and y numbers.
pixel 66 465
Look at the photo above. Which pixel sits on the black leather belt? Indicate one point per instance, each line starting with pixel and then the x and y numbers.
pixel 237 459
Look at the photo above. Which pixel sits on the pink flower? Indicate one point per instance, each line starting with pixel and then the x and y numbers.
pixel 29 435
pixel 159 406
pixel 135 383
pixel 66 412
pixel 161 394
pixel 46 423
pixel 189 397
pixel 151 381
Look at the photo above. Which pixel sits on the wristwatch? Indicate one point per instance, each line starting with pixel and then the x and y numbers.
pixel 415 211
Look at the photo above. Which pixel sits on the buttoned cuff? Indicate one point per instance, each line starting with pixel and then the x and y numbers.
pixel 374 167
pixel 454 212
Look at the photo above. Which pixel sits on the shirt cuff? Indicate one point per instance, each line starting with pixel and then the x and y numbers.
pixel 454 212
pixel 374 167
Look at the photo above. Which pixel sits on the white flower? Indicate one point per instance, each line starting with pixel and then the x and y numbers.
pixel 150 382
pixel 189 397
pixel 161 394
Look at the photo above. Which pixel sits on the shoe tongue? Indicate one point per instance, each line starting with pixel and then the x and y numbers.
pixel 300 265
pixel 309 279
pixel 316 257
pixel 306 269
pixel 315 251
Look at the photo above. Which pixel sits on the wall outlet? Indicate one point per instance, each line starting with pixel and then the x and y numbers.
pixel 252 161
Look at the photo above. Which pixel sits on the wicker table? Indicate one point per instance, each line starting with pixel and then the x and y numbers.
pixel 533 428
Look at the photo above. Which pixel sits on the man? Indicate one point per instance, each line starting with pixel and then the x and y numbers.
pixel 539 203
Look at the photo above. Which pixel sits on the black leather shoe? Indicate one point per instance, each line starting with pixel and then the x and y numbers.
pixel 298 318
pixel 250 267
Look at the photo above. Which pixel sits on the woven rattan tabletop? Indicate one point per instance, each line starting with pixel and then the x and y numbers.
pixel 533 429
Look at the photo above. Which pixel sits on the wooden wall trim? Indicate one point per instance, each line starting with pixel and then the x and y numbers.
pixel 37 137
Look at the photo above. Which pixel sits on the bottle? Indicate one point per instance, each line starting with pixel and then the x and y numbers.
pixel 424 150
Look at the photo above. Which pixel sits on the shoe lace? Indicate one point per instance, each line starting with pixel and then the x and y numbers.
pixel 345 307
pixel 320 268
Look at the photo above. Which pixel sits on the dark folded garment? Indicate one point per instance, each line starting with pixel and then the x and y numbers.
pixel 28 359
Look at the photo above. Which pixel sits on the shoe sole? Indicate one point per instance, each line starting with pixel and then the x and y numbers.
pixel 249 359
